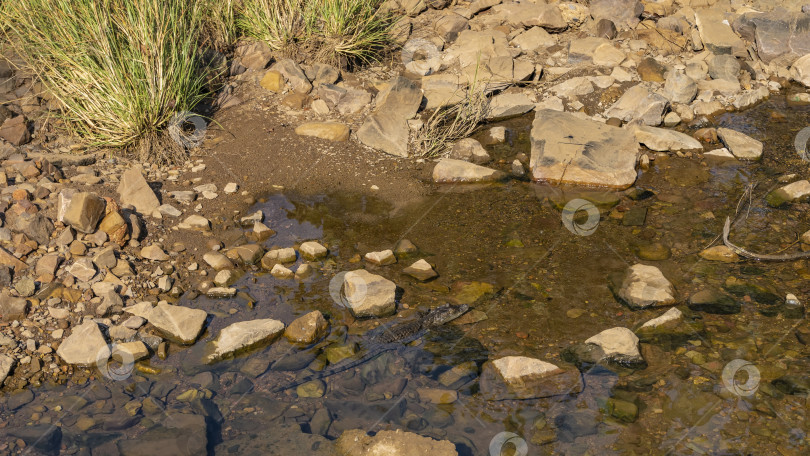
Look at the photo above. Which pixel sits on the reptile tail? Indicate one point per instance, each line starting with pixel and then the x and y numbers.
pixel 333 370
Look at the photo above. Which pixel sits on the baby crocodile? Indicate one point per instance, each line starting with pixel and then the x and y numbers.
pixel 387 338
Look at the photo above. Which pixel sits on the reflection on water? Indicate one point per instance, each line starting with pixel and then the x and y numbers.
pixel 549 290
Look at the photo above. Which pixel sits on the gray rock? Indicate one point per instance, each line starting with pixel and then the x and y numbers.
pixel 36 226
pixel 534 39
pixel 82 211
pixel 569 149
pixel 470 150
pixel 85 346
pixel 639 104
pixel 605 28
pixel 741 145
pixel 529 14
pixel 442 90
pixel 661 139
pixel 369 295
pixel 242 336
pixel 401 98
pixel 320 73
pixel 680 88
pixel 508 105
pixel 83 270
pixel 781 37
pixel 724 66
pixel 623 13
pixel 450 170
pixel 255 55
pixel 387 132
pixel 134 190
pixel 353 101
pixel 293 74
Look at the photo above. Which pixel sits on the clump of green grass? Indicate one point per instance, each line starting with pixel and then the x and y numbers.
pixel 219 24
pixel 339 32
pixel 449 124
pixel 119 68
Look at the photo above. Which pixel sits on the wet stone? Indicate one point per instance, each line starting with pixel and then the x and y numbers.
pixel 421 270
pixel 307 329
pixel 715 302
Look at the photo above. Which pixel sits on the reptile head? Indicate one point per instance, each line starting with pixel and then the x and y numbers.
pixel 444 313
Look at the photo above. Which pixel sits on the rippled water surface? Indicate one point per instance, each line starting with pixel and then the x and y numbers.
pixel 549 290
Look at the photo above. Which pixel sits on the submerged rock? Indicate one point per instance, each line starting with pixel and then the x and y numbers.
pixel 391 443
pixel 714 302
pixel 521 377
pixel 421 270
pixel 792 192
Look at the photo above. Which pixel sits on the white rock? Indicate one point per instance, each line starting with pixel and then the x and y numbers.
pixel 381 258
pixel 243 335
pixel 280 272
pixel 722 153
pixel 672 314
pixel 645 286
pixel 231 187
pixel 182 324
pixel 312 250
pixel 617 341
pixel 660 139
pixel 516 368
pixel 369 295
pixel 195 222
pixel 449 170
pixel 6 364
pixel 85 346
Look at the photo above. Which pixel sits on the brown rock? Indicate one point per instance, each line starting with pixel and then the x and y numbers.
pixel 307 329
pixel 296 100
pixel 7 259
pixel 83 212
pixel 134 190
pixel 650 70
pixel 332 131
pixel 12 308
pixel 273 81
pixel 15 131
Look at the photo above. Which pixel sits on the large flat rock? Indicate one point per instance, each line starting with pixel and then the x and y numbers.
pixel 179 323
pixel 521 377
pixel 85 346
pixel 716 33
pixel 567 149
pixel 452 170
pixel 243 336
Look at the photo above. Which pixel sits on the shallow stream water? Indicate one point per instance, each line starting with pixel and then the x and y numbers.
pixel 548 289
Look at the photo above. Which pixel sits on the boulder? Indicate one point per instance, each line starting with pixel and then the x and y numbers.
pixel 293 74
pixel 15 131
pixel 400 98
pixel 566 148
pixel 242 336
pixel 85 346
pixel 133 189
pixel 450 170
pixel 369 295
